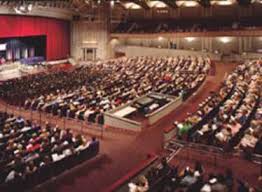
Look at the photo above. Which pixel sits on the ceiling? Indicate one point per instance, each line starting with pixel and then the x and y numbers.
pixel 82 6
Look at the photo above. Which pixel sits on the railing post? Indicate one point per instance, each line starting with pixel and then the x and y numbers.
pixel 102 131
pixel 215 160
pixel 6 107
pixel 260 167
pixel 40 118
pixel 20 110
pixel 31 114
pixel 82 126
pixel 64 122
pixel 187 153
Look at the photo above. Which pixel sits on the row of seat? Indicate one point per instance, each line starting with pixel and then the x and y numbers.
pixel 223 117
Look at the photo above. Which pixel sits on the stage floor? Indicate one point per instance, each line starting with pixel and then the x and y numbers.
pixel 17 70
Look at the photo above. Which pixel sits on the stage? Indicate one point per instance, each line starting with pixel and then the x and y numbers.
pixel 142 112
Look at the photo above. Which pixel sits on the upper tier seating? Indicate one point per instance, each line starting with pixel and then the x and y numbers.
pixel 86 92
pixel 31 154
pixel 171 25
pixel 222 119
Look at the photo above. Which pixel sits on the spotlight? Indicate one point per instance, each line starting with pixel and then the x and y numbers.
pixel 23 8
pixel 30 7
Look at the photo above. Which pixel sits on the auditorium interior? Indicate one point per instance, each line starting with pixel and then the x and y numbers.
pixel 130 95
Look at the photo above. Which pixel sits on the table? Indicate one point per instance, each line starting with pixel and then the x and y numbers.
pixel 125 111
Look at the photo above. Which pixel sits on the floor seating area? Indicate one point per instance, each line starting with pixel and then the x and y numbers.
pixel 230 115
pixel 251 142
pixel 168 178
pixel 32 154
pixel 86 92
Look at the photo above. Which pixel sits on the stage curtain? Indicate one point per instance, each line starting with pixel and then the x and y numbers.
pixel 57 32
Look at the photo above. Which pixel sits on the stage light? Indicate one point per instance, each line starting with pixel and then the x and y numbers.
pixel 17 10
pixel 23 8
pixel 190 39
pixel 30 7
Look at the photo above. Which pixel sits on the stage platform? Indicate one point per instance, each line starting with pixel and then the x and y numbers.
pixel 17 70
pixel 142 112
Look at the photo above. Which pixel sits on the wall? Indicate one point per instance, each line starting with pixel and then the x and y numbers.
pixel 224 45
pixel 91 34
pixel 57 32
pixel 87 34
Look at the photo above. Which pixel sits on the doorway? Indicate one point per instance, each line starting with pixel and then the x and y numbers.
pixel 89 54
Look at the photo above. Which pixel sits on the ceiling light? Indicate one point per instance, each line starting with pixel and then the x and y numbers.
pixel 112 3
pixel 160 38
pixel 156 4
pixel 187 3
pixel 132 5
pixel 190 39
pixel 225 40
pixel 223 3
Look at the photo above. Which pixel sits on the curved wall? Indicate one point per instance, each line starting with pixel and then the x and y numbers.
pixel 57 32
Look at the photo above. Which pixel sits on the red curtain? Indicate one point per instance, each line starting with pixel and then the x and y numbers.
pixel 57 32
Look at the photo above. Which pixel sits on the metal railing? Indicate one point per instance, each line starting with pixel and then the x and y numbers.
pixel 77 126
pixel 215 157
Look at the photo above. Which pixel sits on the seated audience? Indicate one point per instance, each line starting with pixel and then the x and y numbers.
pixel 87 92
pixel 27 148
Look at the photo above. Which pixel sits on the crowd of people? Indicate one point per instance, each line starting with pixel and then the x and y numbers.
pixel 252 139
pixel 29 151
pixel 167 178
pixel 86 92
pixel 224 116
